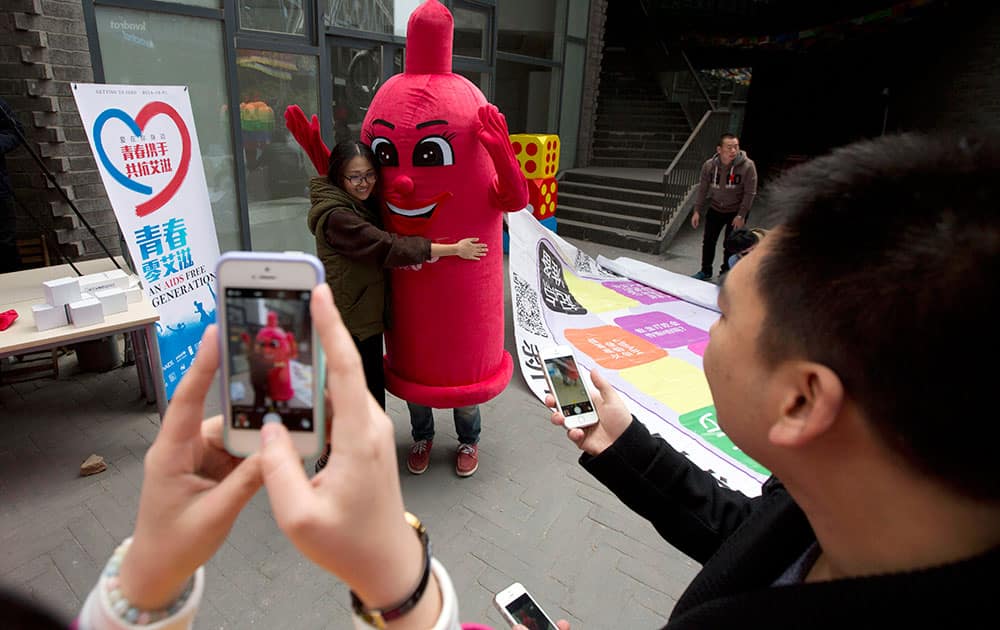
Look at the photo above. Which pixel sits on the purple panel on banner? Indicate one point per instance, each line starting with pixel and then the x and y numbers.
pixel 662 329
pixel 698 347
pixel 640 292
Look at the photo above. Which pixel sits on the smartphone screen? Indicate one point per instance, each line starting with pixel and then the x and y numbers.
pixel 526 612
pixel 570 392
pixel 270 357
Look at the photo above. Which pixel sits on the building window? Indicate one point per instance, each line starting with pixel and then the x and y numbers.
pixel 357 74
pixel 375 16
pixel 207 4
pixel 525 96
pixel 277 169
pixel 277 16
pixel 471 31
pixel 143 48
pixel 388 17
pixel 527 27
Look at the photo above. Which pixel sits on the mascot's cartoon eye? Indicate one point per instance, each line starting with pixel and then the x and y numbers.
pixel 433 151
pixel 385 151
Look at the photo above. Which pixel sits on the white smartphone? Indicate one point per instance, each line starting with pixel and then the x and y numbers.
pixel 566 385
pixel 517 606
pixel 272 363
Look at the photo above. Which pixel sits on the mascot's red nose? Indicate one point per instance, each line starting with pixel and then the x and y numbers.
pixel 402 185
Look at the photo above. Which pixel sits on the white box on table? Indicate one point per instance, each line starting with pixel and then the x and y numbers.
pixel 86 312
pixel 134 294
pixel 119 277
pixel 61 291
pixel 93 282
pixel 112 301
pixel 48 316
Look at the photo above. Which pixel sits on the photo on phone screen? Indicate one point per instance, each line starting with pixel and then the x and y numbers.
pixel 526 612
pixel 270 357
pixel 570 392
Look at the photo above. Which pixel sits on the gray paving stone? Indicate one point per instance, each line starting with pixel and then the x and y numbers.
pixel 27 542
pixel 88 532
pixel 76 567
pixel 52 592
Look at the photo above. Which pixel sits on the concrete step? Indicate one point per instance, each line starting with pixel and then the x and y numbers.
pixel 597 218
pixel 625 239
pixel 628 194
pixel 627 124
pixel 641 107
pixel 645 115
pixel 612 206
pixel 630 163
pixel 623 137
pixel 605 151
pixel 642 123
pixel 611 181
pixel 631 93
pixel 665 147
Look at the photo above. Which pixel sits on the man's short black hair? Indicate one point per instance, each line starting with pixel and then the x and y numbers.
pixel 727 136
pixel 887 271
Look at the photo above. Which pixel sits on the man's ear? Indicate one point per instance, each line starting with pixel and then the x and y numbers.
pixel 812 399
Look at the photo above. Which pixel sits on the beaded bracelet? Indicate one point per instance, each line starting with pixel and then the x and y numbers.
pixel 124 608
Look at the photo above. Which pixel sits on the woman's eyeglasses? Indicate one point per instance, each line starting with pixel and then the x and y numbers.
pixel 368 178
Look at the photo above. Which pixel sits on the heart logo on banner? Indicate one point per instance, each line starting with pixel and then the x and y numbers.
pixel 136 126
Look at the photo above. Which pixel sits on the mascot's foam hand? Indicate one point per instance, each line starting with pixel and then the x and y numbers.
pixel 445 156
pixel 306 133
pixel 509 185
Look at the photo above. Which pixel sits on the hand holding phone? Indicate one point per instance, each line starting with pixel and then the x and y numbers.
pixel 518 607
pixel 567 387
pixel 271 365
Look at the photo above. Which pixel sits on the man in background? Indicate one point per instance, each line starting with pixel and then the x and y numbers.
pixel 732 178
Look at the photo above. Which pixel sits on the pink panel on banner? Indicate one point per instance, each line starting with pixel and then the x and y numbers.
pixel 662 329
pixel 639 292
pixel 698 347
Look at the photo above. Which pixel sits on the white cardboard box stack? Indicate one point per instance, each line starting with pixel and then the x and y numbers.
pixel 86 300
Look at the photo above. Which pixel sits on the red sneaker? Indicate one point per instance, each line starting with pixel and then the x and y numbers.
pixel 467 462
pixel 420 457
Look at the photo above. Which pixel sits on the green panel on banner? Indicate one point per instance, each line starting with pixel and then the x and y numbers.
pixel 704 424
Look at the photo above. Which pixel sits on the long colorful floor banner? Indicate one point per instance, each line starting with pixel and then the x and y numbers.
pixel 644 327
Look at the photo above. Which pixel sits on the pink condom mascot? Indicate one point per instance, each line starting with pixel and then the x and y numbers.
pixel 448 171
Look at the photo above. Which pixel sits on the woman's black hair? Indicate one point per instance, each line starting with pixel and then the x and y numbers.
pixel 343 153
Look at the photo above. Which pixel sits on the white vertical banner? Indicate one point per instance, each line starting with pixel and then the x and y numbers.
pixel 144 141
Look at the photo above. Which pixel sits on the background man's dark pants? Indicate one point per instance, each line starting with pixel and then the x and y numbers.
pixel 715 222
pixel 9 260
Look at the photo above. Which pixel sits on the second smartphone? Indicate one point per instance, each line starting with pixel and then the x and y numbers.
pixel 272 364
pixel 563 376
pixel 518 607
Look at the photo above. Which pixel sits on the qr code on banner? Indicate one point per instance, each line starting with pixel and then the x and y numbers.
pixel 586 264
pixel 529 314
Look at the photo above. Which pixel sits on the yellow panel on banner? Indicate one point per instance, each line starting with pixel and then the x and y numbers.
pixel 595 297
pixel 673 381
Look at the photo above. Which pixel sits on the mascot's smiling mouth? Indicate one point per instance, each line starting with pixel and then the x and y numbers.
pixel 418 210
pixel 422 213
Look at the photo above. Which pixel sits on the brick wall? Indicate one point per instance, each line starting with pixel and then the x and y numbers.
pixel 43 48
pixel 591 82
